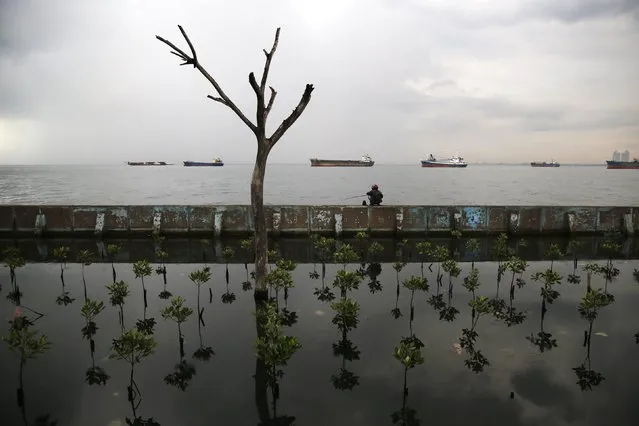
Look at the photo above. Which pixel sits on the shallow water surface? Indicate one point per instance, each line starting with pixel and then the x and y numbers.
pixel 521 385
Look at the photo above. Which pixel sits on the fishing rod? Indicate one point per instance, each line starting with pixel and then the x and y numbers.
pixel 356 196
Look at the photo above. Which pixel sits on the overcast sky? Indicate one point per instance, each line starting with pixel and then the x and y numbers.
pixel 85 81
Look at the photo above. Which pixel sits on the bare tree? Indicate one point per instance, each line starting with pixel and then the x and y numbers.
pixel 264 143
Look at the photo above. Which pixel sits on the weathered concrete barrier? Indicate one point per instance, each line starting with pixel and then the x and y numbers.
pixel 303 220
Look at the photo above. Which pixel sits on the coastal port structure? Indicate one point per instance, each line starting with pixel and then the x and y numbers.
pixel 296 220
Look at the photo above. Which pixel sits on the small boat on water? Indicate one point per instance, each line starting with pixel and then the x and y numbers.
pixel 217 162
pixel 553 163
pixel 454 162
pixel 634 164
pixel 366 161
pixel 148 163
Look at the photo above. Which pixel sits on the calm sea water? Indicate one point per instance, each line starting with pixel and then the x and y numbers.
pixel 302 184
pixel 228 389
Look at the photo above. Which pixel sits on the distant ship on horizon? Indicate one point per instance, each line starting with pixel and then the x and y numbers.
pixel 452 162
pixel 553 163
pixel 622 161
pixel 366 161
pixel 148 163
pixel 217 162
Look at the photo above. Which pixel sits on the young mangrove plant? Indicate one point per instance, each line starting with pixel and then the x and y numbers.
pixel 425 250
pixel 274 349
pixel 573 247
pixel 133 347
pixel 409 354
pixel 141 269
pixel 183 371
pixel 323 248
pixel 549 279
pixel 161 269
pixel 362 243
pixel 589 307
pixel 247 245
pixel 118 292
pixel 398 267
pixel 440 255
pixel 84 258
pixel 476 361
pixel 26 342
pixel 472 248
pixel 199 278
pixel 508 313
pixel 13 260
pixel 227 254
pixel 346 319
pixel 500 252
pixel 414 284
pixel 449 312
pixel 112 252
pixel 553 253
pixel 373 270
pixel 61 254
pixel 374 249
pixel 281 279
pixel 95 375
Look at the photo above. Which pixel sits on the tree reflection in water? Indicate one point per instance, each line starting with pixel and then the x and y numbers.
pixel 13 260
pixel 183 371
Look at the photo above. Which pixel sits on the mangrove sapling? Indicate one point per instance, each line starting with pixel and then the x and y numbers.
pixel 61 254
pixel 13 260
pixel 161 270
pixel 141 269
pixel 574 278
pixel 549 278
pixel 449 312
pixel 84 258
pixel 133 347
pixel 516 266
pixel 553 253
pixel 280 278
pixel 323 247
pixel 247 245
pixel 425 250
pixel 177 313
pixel 227 254
pixel 409 354
pixel 199 278
pixel 346 319
pixel 362 242
pixel 273 349
pixel 476 361
pixel 440 255
pixel 589 307
pixel 500 252
pixel 24 341
pixel 413 284
pixel 472 248
pixel 396 312
pixel 118 292
pixel 373 270
pixel 90 310
pixel 374 249
pixel 112 252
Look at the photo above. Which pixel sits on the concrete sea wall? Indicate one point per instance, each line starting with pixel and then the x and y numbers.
pixel 145 220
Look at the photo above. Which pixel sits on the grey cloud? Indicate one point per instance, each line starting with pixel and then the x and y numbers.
pixel 582 10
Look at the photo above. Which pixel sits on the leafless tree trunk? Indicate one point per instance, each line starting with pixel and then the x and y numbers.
pixel 264 143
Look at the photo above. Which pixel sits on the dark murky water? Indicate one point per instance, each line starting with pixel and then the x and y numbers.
pixel 441 391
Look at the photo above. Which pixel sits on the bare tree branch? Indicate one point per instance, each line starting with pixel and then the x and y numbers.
pixel 269 56
pixel 288 121
pixel 270 102
pixel 220 100
pixel 254 85
pixel 194 61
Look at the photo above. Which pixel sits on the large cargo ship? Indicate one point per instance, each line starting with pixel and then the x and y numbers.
pixel 215 163
pixel 454 162
pixel 553 163
pixel 147 163
pixel 634 164
pixel 366 161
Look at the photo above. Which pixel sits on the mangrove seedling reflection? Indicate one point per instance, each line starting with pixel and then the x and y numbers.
pixel 373 270
pixel 476 361
pixel 141 269
pixel 227 254
pixel 509 314
pixel 184 371
pixel 274 350
pixel 133 347
pixel 161 270
pixel 84 258
pixel 413 284
pixel 13 260
pixel 281 278
pixel 591 303
pixel 118 292
pixel 500 252
pixel 112 251
pixel 472 247
pixel 574 247
pixel 25 342
pixel 90 310
pixel 61 254
pixel 549 278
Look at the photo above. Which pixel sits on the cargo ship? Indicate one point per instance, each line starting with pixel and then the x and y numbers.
pixel 215 163
pixel 147 163
pixel 553 163
pixel 634 164
pixel 366 161
pixel 454 162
